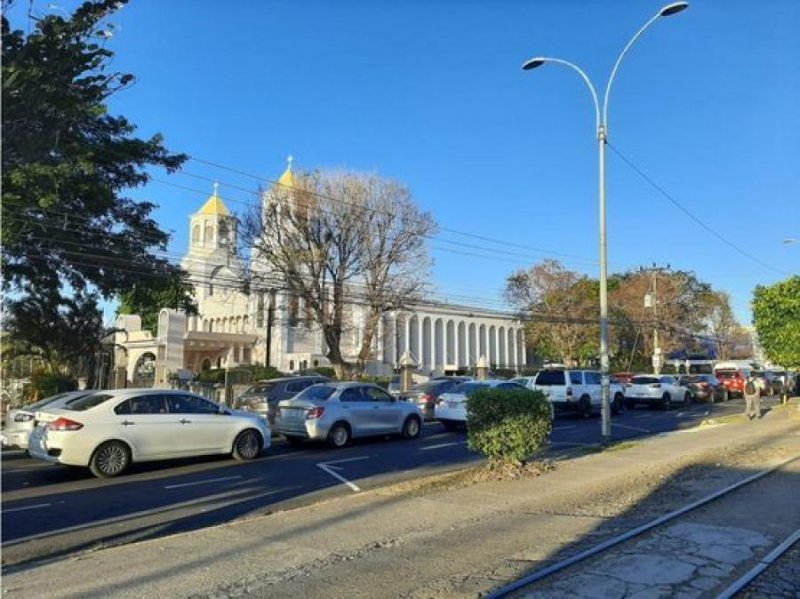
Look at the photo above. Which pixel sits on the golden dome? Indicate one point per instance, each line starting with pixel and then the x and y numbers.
pixel 287 180
pixel 215 206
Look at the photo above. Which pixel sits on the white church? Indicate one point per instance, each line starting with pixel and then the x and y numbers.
pixel 235 328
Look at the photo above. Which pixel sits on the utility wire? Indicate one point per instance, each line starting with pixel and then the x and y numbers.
pixel 683 209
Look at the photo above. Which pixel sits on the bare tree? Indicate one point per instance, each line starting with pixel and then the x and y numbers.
pixel 721 324
pixel 339 240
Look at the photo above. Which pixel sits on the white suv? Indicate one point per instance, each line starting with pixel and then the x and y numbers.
pixel 577 391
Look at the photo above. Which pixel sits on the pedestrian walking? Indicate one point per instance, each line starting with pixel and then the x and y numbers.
pixel 752 398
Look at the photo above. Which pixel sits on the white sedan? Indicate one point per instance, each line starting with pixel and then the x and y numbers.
pixel 19 421
pixel 451 409
pixel 107 430
pixel 655 389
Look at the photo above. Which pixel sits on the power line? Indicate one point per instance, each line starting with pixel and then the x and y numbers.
pixel 683 209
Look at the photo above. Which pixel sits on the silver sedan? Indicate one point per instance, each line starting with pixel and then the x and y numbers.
pixel 338 412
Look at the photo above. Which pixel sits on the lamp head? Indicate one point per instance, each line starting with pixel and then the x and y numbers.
pixel 533 63
pixel 672 9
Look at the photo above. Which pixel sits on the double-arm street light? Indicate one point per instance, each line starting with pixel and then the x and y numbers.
pixel 601 119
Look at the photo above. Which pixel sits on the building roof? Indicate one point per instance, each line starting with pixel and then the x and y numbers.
pixel 287 180
pixel 215 206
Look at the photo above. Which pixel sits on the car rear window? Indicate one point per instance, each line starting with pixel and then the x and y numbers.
pixel 260 389
pixel 316 393
pixel 89 402
pixel 43 402
pixel 645 380
pixel 548 378
pixel 726 374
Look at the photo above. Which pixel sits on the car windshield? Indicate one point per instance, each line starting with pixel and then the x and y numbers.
pixel 548 378
pixel 89 402
pixel 316 393
pixel 696 379
pixel 468 388
pixel 644 380
pixel 726 374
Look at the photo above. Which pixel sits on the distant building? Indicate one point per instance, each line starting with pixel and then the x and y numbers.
pixel 266 326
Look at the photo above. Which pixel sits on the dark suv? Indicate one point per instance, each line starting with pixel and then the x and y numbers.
pixel 263 397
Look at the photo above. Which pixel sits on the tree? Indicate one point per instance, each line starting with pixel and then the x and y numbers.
pixel 67 162
pixel 147 300
pixel 776 316
pixel 339 242
pixel 560 307
pixel 66 334
pixel 721 324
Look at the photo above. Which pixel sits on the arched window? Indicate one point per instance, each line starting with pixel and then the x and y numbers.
pixel 294 310
pixel 208 237
pixel 196 234
pixel 291 365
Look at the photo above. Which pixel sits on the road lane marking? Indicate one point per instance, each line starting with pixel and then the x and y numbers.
pixel 363 457
pixel 440 445
pixel 27 507
pixel 201 482
pixel 633 428
pixel 326 468
pixel 564 428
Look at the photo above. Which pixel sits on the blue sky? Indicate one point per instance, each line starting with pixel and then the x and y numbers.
pixel 430 92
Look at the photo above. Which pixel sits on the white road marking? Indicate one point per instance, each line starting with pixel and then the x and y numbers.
pixel 440 445
pixel 633 428
pixel 27 507
pixel 326 467
pixel 564 428
pixel 201 482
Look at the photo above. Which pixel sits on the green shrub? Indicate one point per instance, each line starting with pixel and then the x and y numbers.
pixel 45 384
pixel 325 371
pixel 508 425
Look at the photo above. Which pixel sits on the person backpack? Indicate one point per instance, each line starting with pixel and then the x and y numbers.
pixel 750 387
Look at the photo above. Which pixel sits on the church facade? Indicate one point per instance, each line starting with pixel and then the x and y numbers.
pixel 235 326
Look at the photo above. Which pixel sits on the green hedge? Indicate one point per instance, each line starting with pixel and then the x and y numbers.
pixel 508 425
pixel 45 384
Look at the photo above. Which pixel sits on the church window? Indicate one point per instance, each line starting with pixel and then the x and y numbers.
pixel 208 237
pixel 291 365
pixel 260 310
pixel 294 309
pixel 211 289
pixel 308 316
pixel 196 234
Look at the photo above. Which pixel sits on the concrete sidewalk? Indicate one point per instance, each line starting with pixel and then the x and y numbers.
pixel 416 542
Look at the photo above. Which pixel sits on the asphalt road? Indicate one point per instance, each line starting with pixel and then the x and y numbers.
pixel 49 511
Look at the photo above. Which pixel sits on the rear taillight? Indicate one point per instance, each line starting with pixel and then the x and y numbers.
pixel 64 424
pixel 315 413
pixel 426 397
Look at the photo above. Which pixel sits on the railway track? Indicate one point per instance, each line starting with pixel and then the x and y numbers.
pixel 721 545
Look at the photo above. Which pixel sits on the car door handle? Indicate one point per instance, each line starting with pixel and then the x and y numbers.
pixel 127 423
pixel 184 421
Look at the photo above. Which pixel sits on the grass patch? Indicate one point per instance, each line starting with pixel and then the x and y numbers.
pixel 621 446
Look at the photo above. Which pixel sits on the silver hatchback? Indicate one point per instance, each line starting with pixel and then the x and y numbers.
pixel 338 412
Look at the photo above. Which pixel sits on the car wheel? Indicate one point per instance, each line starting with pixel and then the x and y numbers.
pixel 616 405
pixel 585 407
pixel 688 398
pixel 295 440
pixel 411 427
pixel 339 435
pixel 247 445
pixel 110 459
pixel 666 402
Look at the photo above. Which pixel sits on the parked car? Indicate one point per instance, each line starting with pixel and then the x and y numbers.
pixel 108 430
pixel 425 395
pixel 525 381
pixel 733 380
pixel 577 391
pixel 263 397
pixel 451 409
pixel 339 411
pixel 20 421
pixel 704 387
pixel 769 383
pixel 655 389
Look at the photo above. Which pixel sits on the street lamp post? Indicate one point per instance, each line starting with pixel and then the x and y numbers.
pixel 602 140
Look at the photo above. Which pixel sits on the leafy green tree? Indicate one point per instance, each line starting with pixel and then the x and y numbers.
pixel 776 316
pixel 67 163
pixel 67 334
pixel 147 300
